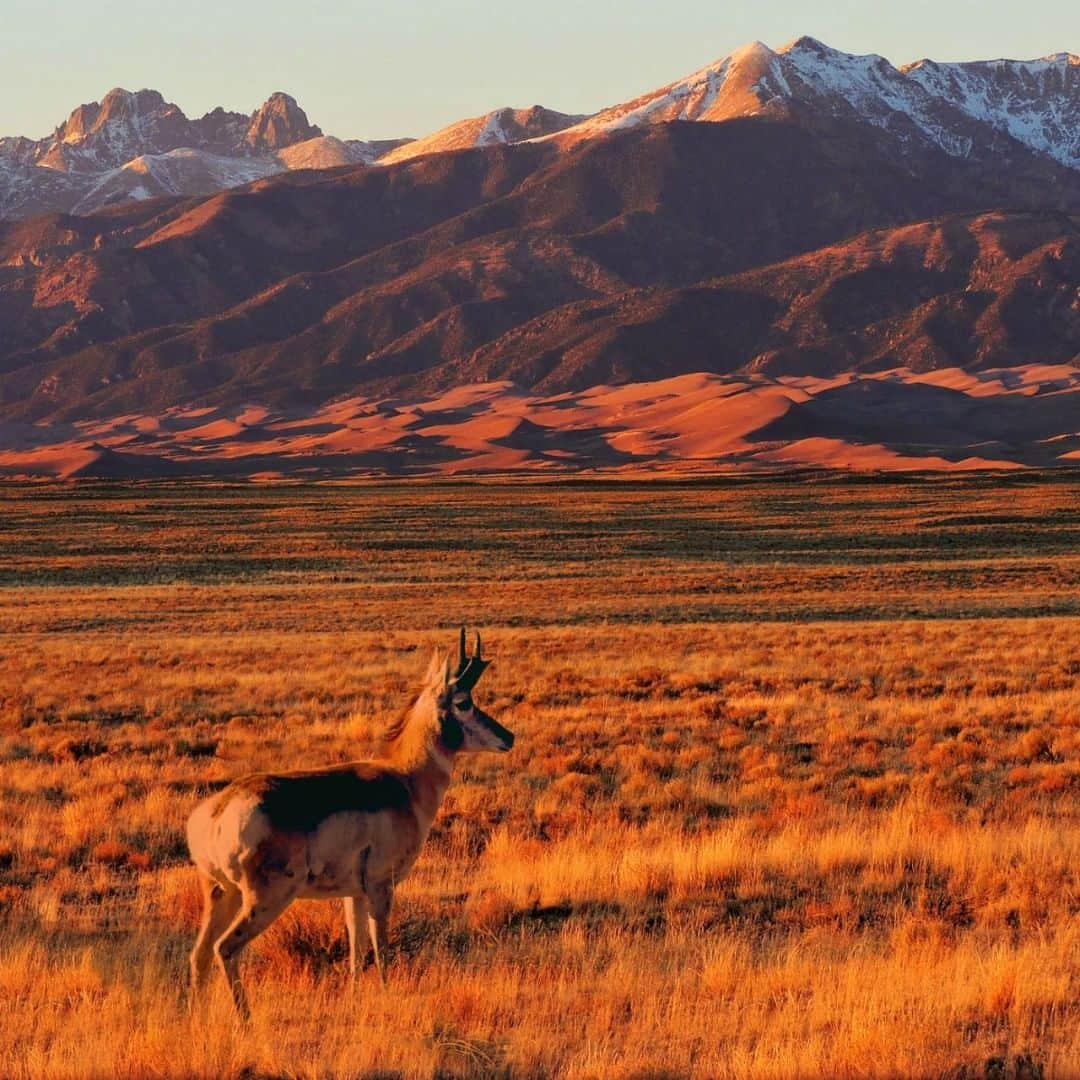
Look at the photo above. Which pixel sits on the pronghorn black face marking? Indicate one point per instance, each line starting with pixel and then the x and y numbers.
pixel 451 733
pixel 479 730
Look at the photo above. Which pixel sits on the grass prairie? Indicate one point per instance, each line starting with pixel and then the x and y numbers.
pixel 796 790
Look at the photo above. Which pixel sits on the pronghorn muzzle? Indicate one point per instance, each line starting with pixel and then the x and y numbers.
pixel 504 735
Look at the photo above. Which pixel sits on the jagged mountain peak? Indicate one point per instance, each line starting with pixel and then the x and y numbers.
pixel 136 145
pixel 144 122
pixel 119 101
pixel 117 106
pixel 279 122
pixel 806 42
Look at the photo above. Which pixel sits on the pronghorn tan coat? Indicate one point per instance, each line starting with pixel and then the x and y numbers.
pixel 351 831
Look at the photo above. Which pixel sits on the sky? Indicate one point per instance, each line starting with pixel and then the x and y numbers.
pixel 391 68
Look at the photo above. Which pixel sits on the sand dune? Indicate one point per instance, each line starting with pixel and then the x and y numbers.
pixel 1005 418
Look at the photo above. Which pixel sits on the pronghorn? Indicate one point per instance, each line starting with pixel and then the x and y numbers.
pixel 351 831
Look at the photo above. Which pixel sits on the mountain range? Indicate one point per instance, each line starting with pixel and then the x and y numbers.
pixel 132 146
pixel 138 145
pixel 837 253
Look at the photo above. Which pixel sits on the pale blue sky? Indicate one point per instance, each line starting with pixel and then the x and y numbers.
pixel 383 68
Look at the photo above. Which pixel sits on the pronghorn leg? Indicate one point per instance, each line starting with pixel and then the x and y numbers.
pixel 380 898
pixel 256 914
pixel 355 908
pixel 220 907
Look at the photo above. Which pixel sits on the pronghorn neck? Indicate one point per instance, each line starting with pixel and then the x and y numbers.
pixel 439 760
pixel 415 750
pixel 414 746
pixel 429 780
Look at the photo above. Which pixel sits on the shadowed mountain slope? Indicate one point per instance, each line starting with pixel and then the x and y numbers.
pixel 507 259
pixel 972 291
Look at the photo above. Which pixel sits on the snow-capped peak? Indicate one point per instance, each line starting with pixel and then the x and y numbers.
pixel 135 145
pixel 740 83
pixel 504 125
pixel 953 107
pixel 1037 102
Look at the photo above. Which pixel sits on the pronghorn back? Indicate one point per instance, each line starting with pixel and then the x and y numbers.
pixel 298 801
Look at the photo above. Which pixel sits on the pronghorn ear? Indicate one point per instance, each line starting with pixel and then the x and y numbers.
pixel 436 671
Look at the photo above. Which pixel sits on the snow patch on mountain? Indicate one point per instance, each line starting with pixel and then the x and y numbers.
pixel 714 92
pixel 873 89
pixel 952 107
pixel 178 172
pixel 1037 102
pixel 327 152
pixel 495 128
pixel 136 145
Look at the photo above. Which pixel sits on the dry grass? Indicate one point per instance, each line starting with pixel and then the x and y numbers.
pixel 765 838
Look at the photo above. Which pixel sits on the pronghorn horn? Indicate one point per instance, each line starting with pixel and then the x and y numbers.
pixel 470 668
